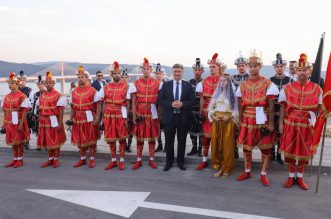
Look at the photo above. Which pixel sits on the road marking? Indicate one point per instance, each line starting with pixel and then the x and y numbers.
pixel 124 203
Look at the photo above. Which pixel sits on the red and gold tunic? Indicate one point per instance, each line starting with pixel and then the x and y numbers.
pixel 15 102
pixel 209 84
pixel 297 135
pixel 255 93
pixel 115 101
pixel 146 95
pixel 84 133
pixel 50 137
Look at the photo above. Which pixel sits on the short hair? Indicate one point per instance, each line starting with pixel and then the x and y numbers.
pixel 292 62
pixel 177 65
pixel 98 72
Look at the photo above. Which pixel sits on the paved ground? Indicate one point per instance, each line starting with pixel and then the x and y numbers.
pixel 190 188
pixel 198 189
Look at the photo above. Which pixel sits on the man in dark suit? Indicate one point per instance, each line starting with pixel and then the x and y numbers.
pixel 99 82
pixel 176 98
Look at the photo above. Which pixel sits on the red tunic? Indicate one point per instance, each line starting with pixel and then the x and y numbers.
pixel 297 136
pixel 12 102
pixel 254 94
pixel 209 84
pixel 147 92
pixel 83 133
pixel 49 137
pixel 114 123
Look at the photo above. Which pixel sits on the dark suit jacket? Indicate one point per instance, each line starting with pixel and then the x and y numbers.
pixel 166 97
pixel 96 84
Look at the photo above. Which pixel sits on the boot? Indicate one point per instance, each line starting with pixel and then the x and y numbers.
pixel 11 163
pixel 289 182
pixel 193 151
pixel 128 148
pixel 121 165
pixel 137 165
pixel 56 163
pixel 80 163
pixel 302 183
pixel 159 147
pixel 47 164
pixel 18 164
pixel 111 165
pixel 200 151
pixel 244 176
pixel 92 164
pixel 202 165
pixel 265 180
pixel 152 164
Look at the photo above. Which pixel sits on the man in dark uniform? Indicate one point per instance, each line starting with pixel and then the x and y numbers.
pixel 27 91
pixel 196 130
pixel 126 79
pixel 280 80
pixel 159 75
pixel 237 79
pixel 99 82
pixel 34 97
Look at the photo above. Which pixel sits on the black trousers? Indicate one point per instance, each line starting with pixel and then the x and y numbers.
pixel 170 131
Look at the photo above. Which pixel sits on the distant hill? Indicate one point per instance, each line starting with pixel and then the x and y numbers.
pixel 6 67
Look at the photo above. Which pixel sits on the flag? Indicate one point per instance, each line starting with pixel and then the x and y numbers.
pixel 316 74
pixel 326 108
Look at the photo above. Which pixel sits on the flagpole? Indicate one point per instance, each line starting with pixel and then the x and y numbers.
pixel 321 157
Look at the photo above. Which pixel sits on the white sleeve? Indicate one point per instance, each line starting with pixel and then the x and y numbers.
pixel 272 90
pixel 61 102
pixel 282 96
pixel 320 98
pixel 238 92
pixel 128 92
pixel 35 108
pixel 102 93
pixel 3 100
pixel 97 97
pixel 199 87
pixel 26 103
pixel 133 88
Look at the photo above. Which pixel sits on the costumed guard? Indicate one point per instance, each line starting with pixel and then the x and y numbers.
pixel 15 106
pixel 145 118
pixel 195 129
pixel 126 79
pixel 280 80
pixel 300 101
pixel 85 117
pixel 51 134
pixel 41 86
pixel 223 113
pixel 28 92
pixel 256 101
pixel 237 79
pixel 206 89
pixel 115 110
pixel 159 75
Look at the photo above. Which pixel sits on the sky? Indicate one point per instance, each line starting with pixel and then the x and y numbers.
pixel 165 31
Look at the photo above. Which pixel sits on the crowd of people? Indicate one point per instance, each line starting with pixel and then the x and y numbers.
pixel 221 111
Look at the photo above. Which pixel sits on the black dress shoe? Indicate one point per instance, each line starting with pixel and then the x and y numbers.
pixel 181 167
pixel 159 148
pixel 167 167
pixel 193 151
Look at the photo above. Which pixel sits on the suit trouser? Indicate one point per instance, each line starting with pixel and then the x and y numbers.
pixel 170 131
